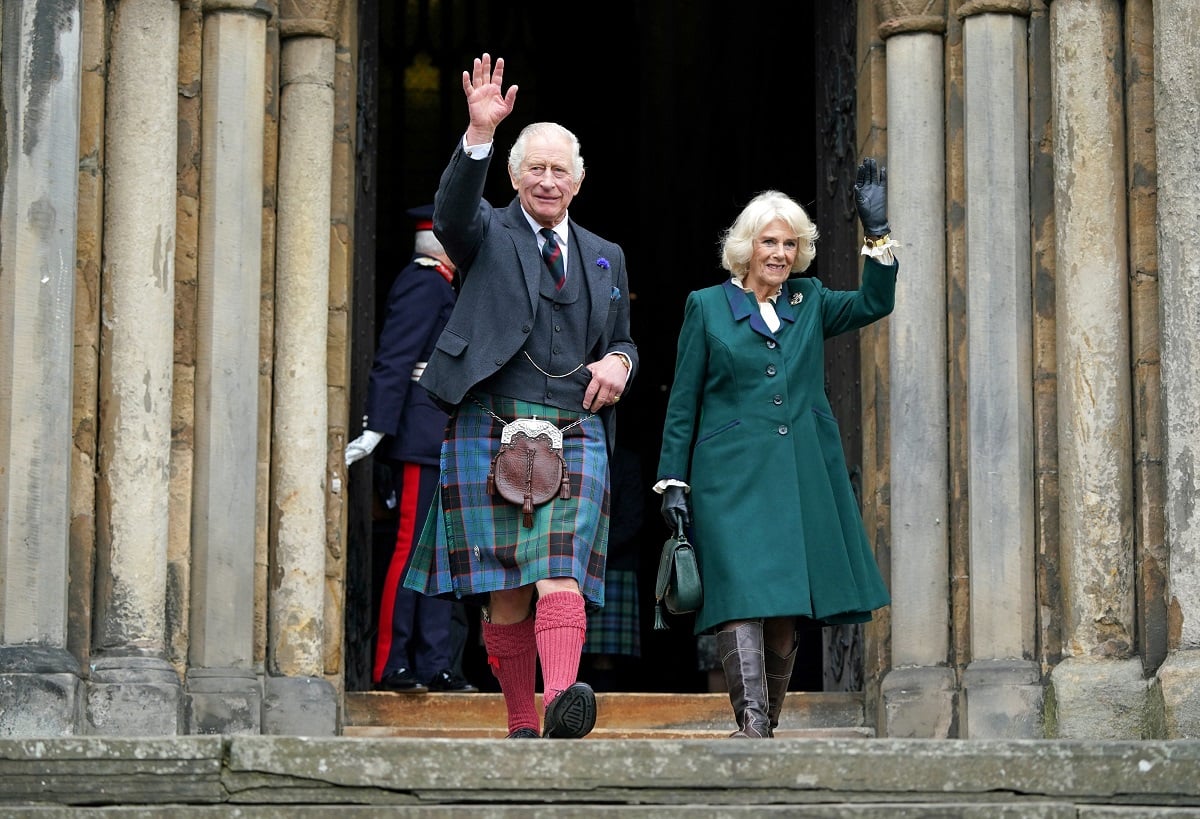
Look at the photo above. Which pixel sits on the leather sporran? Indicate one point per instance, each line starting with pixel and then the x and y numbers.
pixel 529 468
pixel 678 586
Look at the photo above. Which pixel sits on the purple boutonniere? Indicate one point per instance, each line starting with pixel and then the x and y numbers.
pixel 602 263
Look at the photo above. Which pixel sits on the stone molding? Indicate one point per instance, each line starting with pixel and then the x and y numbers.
pixel 909 16
pixel 974 7
pixel 309 18
pixel 262 7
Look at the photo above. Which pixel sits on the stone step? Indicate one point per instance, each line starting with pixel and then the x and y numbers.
pixel 385 731
pixel 618 715
pixel 268 777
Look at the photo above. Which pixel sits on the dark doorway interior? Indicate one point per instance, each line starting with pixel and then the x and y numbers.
pixel 684 110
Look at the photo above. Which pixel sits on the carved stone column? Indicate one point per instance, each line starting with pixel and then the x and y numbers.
pixel 919 691
pixel 40 43
pixel 1001 686
pixel 134 690
pixel 1099 689
pixel 225 695
pixel 298 698
pixel 1177 118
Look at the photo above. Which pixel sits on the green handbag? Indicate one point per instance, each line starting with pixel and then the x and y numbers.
pixel 678 586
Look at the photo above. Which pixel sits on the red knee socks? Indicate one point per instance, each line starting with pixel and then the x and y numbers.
pixel 560 626
pixel 512 654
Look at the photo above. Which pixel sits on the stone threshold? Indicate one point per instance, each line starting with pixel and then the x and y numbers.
pixel 244 775
pixel 618 715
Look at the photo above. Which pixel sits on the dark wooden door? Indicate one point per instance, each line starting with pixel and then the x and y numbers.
pixel 684 111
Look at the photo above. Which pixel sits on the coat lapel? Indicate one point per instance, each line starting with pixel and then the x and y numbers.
pixel 788 301
pixel 586 250
pixel 742 306
pixel 526 246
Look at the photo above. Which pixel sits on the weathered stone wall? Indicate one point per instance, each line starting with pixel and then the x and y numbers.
pixel 1119 584
pixel 306 20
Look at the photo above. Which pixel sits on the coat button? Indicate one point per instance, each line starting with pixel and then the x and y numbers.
pixel 770 369
pixel 770 344
pixel 777 400
pixel 499 362
pixel 783 429
pixel 526 329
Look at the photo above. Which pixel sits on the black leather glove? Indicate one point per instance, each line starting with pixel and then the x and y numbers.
pixel 870 197
pixel 674 508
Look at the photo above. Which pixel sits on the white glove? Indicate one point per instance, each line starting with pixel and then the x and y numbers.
pixel 362 446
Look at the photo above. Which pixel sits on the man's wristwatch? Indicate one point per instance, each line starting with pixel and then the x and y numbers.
pixel 877 241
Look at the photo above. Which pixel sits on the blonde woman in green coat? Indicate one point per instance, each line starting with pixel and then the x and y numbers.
pixel 751 441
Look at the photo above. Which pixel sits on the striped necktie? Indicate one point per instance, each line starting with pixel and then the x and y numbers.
pixel 552 254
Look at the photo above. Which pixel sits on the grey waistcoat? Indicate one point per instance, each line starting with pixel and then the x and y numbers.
pixel 556 344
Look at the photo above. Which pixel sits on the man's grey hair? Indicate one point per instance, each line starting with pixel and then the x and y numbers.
pixel 516 155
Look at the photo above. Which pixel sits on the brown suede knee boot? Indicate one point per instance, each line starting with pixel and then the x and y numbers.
pixel 742 656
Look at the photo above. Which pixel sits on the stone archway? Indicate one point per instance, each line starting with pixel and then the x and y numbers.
pixel 667 169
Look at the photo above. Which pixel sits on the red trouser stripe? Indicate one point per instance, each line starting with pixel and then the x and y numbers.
pixel 406 532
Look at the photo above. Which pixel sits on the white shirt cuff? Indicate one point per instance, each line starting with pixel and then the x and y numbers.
pixel 883 253
pixel 477 151
pixel 661 486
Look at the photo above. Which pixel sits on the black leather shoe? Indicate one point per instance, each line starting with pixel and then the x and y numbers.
pixel 402 681
pixel 449 682
pixel 572 714
pixel 523 733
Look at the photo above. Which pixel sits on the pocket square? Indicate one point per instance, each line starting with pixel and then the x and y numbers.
pixel 616 294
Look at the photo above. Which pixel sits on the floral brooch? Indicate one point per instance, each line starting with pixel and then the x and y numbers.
pixel 796 298
pixel 602 263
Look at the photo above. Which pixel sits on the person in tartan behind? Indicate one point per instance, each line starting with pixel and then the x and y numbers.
pixel 614 635
pixel 540 332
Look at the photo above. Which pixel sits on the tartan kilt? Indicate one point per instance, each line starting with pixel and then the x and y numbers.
pixel 616 628
pixel 474 543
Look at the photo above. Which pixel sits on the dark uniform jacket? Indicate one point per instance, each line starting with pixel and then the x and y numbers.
pixel 419 304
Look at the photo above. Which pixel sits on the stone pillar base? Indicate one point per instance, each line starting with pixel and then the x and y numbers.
pixel 133 696
pixel 1096 698
pixel 1002 700
pixel 1179 684
pixel 223 701
pixel 41 693
pixel 299 706
pixel 919 703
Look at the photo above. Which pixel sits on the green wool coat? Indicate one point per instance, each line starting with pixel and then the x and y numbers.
pixel 749 428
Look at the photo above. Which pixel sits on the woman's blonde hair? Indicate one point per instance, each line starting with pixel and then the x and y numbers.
pixel 737 243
